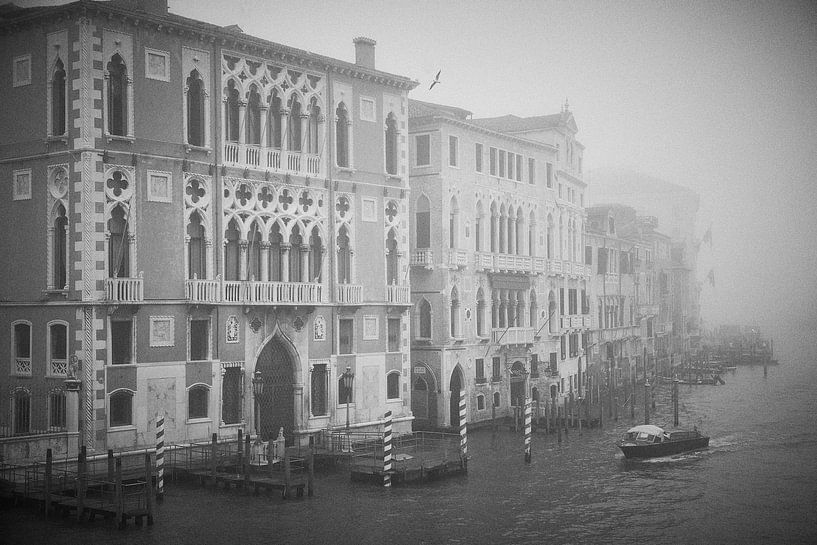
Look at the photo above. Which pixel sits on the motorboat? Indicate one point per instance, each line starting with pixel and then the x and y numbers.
pixel 649 441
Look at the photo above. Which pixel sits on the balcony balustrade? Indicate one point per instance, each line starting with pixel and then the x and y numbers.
pixel 203 290
pixel 483 261
pixel 619 333
pixel 422 258
pixel 349 294
pixel 540 264
pixel 576 321
pixel 648 310
pixel 400 295
pixel 125 290
pixel 250 291
pixel 257 157
pixel 554 267
pixel 22 366
pixel 58 367
pixel 512 335
pixel 457 258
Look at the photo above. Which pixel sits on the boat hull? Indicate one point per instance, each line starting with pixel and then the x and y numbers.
pixel 666 448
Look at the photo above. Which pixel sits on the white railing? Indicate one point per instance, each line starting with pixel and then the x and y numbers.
pixel 249 291
pixel 422 257
pixel 483 260
pixel 203 290
pixel 259 157
pixel 22 366
pixel 539 264
pixel 398 294
pixel 512 335
pixel 648 310
pixel 554 267
pixel 59 367
pixel 124 290
pixel 457 258
pixel 349 294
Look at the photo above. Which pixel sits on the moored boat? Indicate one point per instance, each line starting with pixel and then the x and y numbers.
pixel 648 441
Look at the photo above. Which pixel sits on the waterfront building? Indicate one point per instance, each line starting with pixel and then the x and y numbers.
pixel 497 279
pixel 199 224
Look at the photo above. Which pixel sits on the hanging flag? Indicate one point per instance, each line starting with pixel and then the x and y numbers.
pixel 711 276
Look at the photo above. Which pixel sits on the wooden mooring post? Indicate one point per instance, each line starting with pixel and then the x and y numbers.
pixel 149 503
pixel 245 469
pixel 213 454
pixel 565 421
pixel 527 430
pixel 287 475
pixel 81 484
pixel 239 450
pixel 47 490
pixel 118 499
pixel 310 475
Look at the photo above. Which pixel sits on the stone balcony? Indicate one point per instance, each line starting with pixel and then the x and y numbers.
pixel 398 295
pixel 291 293
pixel 457 259
pixel 509 263
pixel 125 290
pixel 512 335
pixel 422 258
pixel 619 333
pixel 576 321
pixel 275 160
pixel 648 310
pixel 349 294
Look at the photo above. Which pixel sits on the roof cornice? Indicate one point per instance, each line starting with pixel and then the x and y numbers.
pixel 478 128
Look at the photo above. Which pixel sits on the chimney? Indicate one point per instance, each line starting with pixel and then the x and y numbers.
pixel 364 52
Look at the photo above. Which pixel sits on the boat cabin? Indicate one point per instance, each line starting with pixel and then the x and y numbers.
pixel 646 434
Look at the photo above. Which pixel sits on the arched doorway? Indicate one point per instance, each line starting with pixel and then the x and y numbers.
pixel 419 399
pixel 276 406
pixel 455 386
pixel 518 384
pixel 423 397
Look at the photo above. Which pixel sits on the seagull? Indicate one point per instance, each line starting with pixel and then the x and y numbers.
pixel 436 80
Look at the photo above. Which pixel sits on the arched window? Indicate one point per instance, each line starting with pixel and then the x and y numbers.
pixel 254 116
pixel 56 411
pixel 455 313
pixel 275 122
pixel 195 109
pixel 231 122
pixel 425 319
pixel 117 96
pixel 453 223
pixel 532 234
pixel 315 255
pixel 496 399
pixel 276 240
pixel 550 228
pixel 494 229
pixel 344 256
pixel 392 261
pixel 57 349
pixel 196 255
pixel 295 243
pixel 553 318
pixel 503 231
pixel 231 253
pixel 520 232
pixel 423 223
pixel 58 99
pixel 118 250
pixel 480 312
pixel 60 264
pixel 534 311
pixel 294 125
pixel 22 412
pixel 318 399
pixel 480 402
pixel 22 348
pixel 121 408
pixel 391 144
pixel 393 385
pixel 254 252
pixel 197 401
pixel 478 228
pixel 342 135
pixel 313 140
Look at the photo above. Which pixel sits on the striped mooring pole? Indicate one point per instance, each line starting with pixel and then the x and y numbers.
pixel 463 426
pixel 160 456
pixel 387 449
pixel 527 428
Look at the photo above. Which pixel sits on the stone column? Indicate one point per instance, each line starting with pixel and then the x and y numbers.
pixel 72 387
pixel 242 259
pixel 285 247
pixel 265 246
pixel 304 262
pixel 284 131
pixel 242 122
pixel 263 120
pixel 298 399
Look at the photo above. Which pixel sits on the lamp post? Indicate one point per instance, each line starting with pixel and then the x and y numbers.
pixel 348 379
pixel 257 391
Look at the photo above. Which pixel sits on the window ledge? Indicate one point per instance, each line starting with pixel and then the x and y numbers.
pixel 189 147
pixel 347 170
pixel 394 177
pixel 395 400
pixel 119 138
pixel 56 292
pixel 233 424
pixel 204 420
pixel 124 427
pixel 57 138
pixel 21 375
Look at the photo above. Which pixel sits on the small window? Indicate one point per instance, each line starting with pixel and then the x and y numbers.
pixel 492 161
pixel 478 157
pixel 480 371
pixel 394 334
pixel 345 335
pixel 480 402
pixel 121 408
pixel 496 399
pixel 318 398
pixel 502 158
pixel 453 151
pixel 231 395
pixel 367 110
pixel 21 69
pixel 550 175
pixel 121 342
pixel 58 349
pixel 393 385
pixel 199 340
pixel 22 412
pixel 197 399
pixel 422 150
pixel 157 64
pixel 22 184
pixel 371 328
pixel 496 369
pixel 531 170
pixel 22 348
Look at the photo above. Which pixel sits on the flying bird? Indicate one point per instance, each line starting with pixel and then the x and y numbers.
pixel 436 80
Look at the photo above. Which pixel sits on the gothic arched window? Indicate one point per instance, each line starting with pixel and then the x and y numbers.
pixel 315 255
pixel 391 144
pixel 342 135
pixel 276 240
pixel 231 124
pixel 195 109
pixel 295 242
pixel 118 251
pixel 275 122
pixel 231 253
pixel 392 262
pixel 60 248
pixel 313 143
pixel 254 116
pixel 344 256
pixel 455 313
pixel 117 96
pixel 196 261
pixel 423 223
pixel 425 319
pixel 294 125
pixel 58 99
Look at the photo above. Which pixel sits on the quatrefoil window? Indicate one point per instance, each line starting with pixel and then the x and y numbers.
pixel 286 200
pixel 342 206
pixel 265 197
pixel 59 183
pixel 391 211
pixel 243 194
pixel 118 186
pixel 195 191
pixel 305 201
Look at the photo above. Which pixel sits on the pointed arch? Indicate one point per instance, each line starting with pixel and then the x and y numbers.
pixel 422 222
pixel 58 99
pixel 454 317
pixel 117 96
pixel 195 109
pixel 342 135
pixel 274 121
pixel 253 116
pixel 391 144
pixel 294 132
pixel 453 223
pixel 231 117
pixel 424 319
pixel 479 222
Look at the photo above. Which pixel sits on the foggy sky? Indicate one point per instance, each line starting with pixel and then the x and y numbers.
pixel 720 97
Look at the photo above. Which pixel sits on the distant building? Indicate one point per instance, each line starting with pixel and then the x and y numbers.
pixel 193 212
pixel 498 284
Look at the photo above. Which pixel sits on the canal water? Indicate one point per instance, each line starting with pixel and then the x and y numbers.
pixel 757 483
